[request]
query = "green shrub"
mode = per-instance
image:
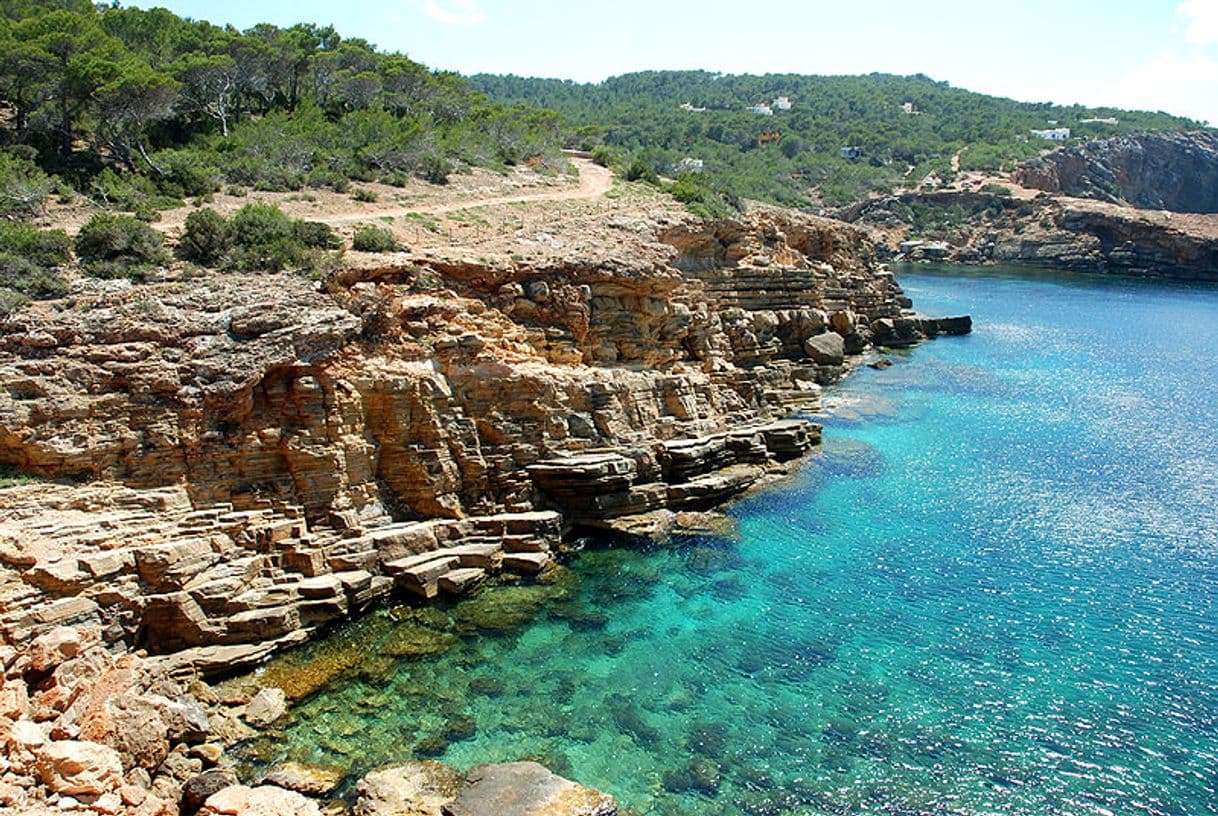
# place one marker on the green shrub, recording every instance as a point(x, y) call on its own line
point(365, 195)
point(641, 171)
point(42, 247)
point(604, 155)
point(29, 279)
point(996, 189)
point(186, 174)
point(11, 301)
point(28, 257)
point(316, 235)
point(23, 187)
point(131, 193)
point(205, 238)
point(340, 184)
point(261, 237)
point(435, 169)
point(118, 246)
point(371, 238)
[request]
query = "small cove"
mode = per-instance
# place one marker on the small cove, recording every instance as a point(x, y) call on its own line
point(994, 590)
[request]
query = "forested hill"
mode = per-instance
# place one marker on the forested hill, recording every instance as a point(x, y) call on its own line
point(893, 122)
point(138, 108)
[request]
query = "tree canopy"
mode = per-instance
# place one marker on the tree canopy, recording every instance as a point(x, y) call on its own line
point(901, 127)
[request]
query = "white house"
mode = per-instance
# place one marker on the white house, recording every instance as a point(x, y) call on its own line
point(909, 109)
point(1107, 120)
point(762, 109)
point(783, 103)
point(1053, 134)
point(688, 165)
point(688, 106)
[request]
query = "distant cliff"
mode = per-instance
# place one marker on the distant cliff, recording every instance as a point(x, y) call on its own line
point(1161, 171)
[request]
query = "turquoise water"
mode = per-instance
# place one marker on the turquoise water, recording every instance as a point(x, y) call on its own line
point(994, 591)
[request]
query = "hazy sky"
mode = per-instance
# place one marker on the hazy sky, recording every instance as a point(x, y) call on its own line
point(1150, 54)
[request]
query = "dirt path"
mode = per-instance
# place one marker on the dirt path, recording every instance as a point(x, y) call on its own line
point(594, 182)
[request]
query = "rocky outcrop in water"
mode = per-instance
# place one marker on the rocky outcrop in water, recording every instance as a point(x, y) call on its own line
point(1161, 171)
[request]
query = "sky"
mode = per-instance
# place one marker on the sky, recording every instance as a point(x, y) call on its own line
point(1142, 54)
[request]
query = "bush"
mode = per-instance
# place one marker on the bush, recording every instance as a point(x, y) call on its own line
point(118, 246)
point(204, 239)
point(641, 171)
point(316, 235)
point(435, 169)
point(996, 189)
point(11, 301)
point(371, 238)
point(27, 259)
point(604, 155)
point(261, 237)
point(131, 193)
point(365, 195)
point(186, 175)
point(23, 187)
point(29, 279)
point(42, 247)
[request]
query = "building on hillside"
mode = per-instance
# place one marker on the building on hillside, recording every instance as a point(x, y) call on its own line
point(909, 109)
point(1107, 120)
point(762, 109)
point(688, 165)
point(1053, 134)
point(688, 106)
point(782, 103)
point(851, 153)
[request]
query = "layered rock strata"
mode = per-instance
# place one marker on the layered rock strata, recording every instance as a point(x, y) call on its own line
point(236, 462)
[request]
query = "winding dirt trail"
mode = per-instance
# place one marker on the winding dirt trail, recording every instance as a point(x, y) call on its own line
point(594, 182)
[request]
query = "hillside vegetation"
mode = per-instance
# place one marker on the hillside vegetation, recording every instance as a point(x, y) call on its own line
point(139, 109)
point(640, 119)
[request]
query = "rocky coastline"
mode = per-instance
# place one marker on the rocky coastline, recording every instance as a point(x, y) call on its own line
point(210, 471)
point(1142, 206)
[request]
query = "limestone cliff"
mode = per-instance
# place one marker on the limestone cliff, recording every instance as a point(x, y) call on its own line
point(243, 459)
point(1162, 171)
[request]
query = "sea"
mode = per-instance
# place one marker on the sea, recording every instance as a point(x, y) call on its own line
point(993, 591)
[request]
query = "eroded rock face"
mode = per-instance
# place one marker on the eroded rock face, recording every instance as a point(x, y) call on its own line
point(1162, 171)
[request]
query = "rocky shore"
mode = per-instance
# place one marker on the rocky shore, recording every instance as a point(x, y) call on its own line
point(211, 470)
point(1143, 206)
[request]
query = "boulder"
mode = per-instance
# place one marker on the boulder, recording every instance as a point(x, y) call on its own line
point(896, 332)
point(826, 349)
point(199, 789)
point(80, 768)
point(240, 800)
point(414, 788)
point(267, 705)
point(312, 780)
point(58, 646)
point(526, 789)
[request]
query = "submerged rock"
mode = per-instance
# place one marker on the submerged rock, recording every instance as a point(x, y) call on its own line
point(701, 775)
point(409, 789)
point(526, 789)
point(313, 780)
point(268, 705)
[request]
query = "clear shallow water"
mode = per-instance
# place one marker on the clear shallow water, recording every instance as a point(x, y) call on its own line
point(995, 591)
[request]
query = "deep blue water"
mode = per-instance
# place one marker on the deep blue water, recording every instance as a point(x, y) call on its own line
point(994, 591)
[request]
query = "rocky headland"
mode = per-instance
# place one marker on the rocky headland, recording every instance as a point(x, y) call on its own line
point(1142, 206)
point(206, 470)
